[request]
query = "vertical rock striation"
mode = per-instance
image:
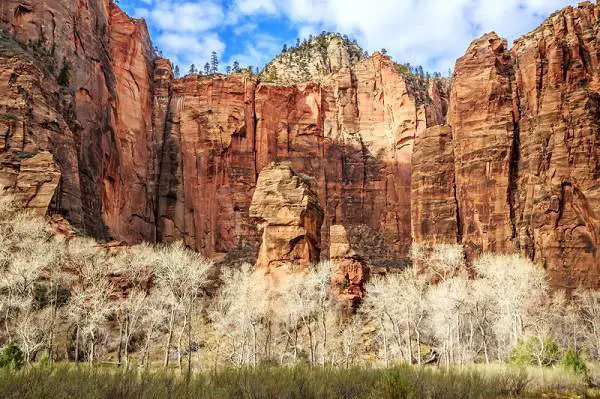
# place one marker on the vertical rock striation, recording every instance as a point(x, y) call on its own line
point(434, 211)
point(94, 126)
point(350, 272)
point(524, 126)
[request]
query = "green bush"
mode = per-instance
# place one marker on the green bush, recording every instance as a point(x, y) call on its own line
point(573, 361)
point(12, 357)
point(531, 352)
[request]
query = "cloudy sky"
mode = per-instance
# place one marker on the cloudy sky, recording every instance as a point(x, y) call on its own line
point(432, 33)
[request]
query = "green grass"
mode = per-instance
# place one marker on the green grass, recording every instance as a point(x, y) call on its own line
point(69, 381)
point(481, 381)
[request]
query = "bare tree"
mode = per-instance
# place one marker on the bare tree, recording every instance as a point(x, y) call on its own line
point(240, 313)
point(589, 308)
point(90, 302)
point(182, 275)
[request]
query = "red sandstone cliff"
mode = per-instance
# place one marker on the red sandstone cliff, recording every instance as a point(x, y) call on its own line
point(524, 125)
point(98, 127)
point(125, 151)
point(351, 134)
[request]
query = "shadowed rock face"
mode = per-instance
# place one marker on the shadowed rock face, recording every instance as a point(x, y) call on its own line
point(98, 128)
point(126, 152)
point(289, 216)
point(351, 135)
point(433, 207)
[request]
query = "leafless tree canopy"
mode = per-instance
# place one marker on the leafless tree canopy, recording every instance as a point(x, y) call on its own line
point(80, 301)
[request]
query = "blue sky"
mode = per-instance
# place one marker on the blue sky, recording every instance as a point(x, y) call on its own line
point(432, 33)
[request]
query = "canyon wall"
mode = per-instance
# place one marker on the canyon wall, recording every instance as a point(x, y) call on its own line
point(95, 118)
point(525, 126)
point(350, 136)
point(94, 126)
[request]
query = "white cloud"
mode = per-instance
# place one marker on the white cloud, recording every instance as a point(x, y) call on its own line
point(186, 16)
point(428, 32)
point(432, 33)
point(257, 52)
point(185, 50)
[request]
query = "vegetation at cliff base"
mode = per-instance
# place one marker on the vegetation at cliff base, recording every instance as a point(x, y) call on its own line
point(78, 316)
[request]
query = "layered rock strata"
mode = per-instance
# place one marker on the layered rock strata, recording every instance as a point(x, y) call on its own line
point(524, 124)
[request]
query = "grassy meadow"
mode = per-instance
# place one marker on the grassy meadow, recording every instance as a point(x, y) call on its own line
point(492, 381)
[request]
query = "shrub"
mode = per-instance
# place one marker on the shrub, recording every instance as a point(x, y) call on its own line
point(573, 361)
point(12, 357)
point(531, 352)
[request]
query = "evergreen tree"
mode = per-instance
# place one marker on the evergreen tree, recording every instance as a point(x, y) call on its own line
point(207, 68)
point(214, 62)
point(236, 67)
point(193, 68)
point(285, 48)
point(297, 42)
point(177, 73)
point(228, 69)
point(383, 51)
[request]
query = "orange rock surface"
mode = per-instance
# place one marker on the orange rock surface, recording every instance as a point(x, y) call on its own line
point(289, 216)
point(350, 271)
point(124, 151)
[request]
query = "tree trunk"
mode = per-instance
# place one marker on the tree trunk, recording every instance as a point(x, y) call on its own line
point(127, 336)
point(120, 348)
point(254, 350)
point(418, 334)
point(324, 322)
point(179, 339)
point(77, 344)
point(189, 344)
point(169, 338)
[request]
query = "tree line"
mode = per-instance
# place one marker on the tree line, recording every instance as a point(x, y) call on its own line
point(165, 305)
point(212, 67)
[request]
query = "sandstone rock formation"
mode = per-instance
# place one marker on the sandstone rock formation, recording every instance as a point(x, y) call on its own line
point(94, 127)
point(481, 116)
point(97, 126)
point(350, 273)
point(352, 134)
point(288, 213)
point(433, 207)
point(313, 60)
point(524, 128)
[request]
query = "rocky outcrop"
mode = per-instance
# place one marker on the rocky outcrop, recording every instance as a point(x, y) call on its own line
point(77, 76)
point(289, 216)
point(351, 135)
point(208, 169)
point(350, 272)
point(313, 60)
point(95, 128)
point(481, 116)
point(556, 186)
